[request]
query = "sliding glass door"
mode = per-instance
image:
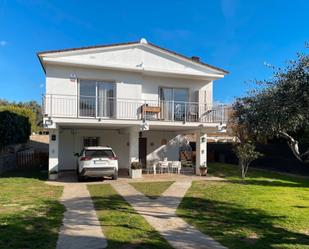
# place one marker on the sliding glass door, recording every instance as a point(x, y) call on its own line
point(173, 103)
point(87, 98)
point(166, 97)
point(96, 98)
point(105, 99)
point(180, 99)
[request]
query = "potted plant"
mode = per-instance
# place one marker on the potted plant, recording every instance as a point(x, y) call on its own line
point(136, 170)
point(203, 169)
point(53, 175)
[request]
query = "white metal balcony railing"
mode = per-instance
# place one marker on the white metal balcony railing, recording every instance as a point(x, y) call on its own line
point(56, 105)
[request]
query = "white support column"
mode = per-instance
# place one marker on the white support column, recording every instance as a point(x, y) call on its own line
point(53, 150)
point(201, 150)
point(133, 144)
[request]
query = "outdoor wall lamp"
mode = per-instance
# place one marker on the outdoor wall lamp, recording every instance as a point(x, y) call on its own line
point(48, 122)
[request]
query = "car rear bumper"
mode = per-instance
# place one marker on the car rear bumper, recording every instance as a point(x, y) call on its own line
point(99, 171)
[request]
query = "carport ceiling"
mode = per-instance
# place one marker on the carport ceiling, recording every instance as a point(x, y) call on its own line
point(152, 128)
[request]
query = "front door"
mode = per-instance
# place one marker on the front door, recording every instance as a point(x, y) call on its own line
point(142, 150)
point(67, 160)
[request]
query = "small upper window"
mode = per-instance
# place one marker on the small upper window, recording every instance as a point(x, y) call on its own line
point(91, 141)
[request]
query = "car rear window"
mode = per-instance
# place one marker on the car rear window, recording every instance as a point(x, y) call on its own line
point(99, 153)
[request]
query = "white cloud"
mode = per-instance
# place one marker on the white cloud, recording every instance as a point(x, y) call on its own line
point(3, 43)
point(267, 64)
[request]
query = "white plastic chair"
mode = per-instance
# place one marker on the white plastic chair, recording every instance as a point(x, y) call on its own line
point(151, 167)
point(164, 166)
point(176, 166)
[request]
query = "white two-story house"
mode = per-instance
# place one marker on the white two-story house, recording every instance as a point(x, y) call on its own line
point(137, 97)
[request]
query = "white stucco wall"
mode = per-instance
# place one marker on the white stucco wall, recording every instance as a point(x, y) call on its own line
point(128, 85)
point(151, 85)
point(134, 57)
point(62, 92)
point(157, 151)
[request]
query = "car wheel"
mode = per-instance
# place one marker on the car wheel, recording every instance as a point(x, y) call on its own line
point(115, 177)
point(79, 177)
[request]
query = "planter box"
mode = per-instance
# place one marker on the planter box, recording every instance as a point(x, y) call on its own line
point(53, 177)
point(203, 171)
point(135, 173)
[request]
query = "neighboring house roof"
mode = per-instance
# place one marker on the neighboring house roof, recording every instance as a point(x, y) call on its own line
point(142, 41)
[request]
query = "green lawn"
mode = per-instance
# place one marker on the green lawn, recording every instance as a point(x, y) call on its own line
point(122, 226)
point(152, 190)
point(30, 213)
point(267, 210)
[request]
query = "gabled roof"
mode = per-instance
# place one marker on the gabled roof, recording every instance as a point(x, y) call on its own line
point(142, 41)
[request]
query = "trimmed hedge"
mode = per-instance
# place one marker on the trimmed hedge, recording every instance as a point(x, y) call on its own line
point(23, 111)
point(14, 128)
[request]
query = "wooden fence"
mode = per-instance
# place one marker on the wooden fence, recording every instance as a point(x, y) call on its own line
point(31, 159)
point(7, 162)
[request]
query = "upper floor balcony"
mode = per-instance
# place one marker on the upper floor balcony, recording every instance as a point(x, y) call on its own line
point(80, 106)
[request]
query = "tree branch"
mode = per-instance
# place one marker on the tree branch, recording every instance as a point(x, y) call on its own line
point(293, 144)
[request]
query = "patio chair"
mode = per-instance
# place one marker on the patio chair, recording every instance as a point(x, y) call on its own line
point(151, 166)
point(192, 114)
point(176, 167)
point(164, 166)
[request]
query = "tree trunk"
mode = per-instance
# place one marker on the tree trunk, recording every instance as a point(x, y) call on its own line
point(293, 144)
point(242, 168)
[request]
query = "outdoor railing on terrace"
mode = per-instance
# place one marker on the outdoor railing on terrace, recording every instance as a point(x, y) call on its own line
point(72, 106)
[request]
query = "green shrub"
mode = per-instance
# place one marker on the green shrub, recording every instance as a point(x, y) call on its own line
point(136, 165)
point(23, 111)
point(14, 128)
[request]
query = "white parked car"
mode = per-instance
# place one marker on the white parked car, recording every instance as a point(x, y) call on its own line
point(97, 161)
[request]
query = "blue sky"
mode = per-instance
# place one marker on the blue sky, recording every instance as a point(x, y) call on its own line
point(239, 36)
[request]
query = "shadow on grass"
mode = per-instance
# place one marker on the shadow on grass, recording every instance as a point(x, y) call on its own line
point(236, 227)
point(35, 227)
point(38, 174)
point(271, 183)
point(256, 176)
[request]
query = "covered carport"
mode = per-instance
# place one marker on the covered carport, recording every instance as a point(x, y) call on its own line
point(73, 139)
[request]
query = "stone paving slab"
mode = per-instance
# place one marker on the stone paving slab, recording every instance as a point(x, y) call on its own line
point(161, 215)
point(81, 227)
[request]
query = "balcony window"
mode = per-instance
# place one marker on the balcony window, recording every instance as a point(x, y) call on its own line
point(173, 103)
point(96, 98)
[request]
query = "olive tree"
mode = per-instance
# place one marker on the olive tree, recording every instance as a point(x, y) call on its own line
point(239, 127)
point(279, 107)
